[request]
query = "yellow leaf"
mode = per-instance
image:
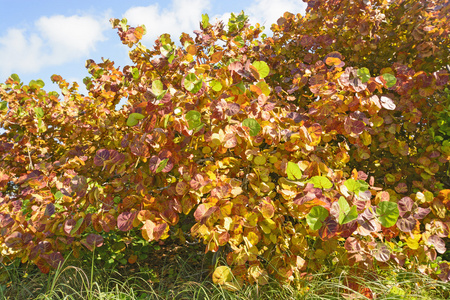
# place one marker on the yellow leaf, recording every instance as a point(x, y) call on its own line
point(222, 275)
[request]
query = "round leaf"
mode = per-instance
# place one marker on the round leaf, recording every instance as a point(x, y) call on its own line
point(364, 74)
point(157, 87)
point(321, 182)
point(387, 213)
point(134, 118)
point(253, 125)
point(222, 275)
point(293, 171)
point(390, 79)
point(194, 119)
point(262, 67)
point(316, 216)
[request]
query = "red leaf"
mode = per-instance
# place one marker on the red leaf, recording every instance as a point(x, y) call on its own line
point(125, 220)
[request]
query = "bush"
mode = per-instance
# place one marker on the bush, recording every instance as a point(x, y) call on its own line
point(315, 146)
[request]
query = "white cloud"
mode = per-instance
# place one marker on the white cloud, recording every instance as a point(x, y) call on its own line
point(180, 16)
point(267, 12)
point(54, 41)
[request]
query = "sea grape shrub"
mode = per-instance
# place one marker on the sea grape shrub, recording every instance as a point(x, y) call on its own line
point(311, 147)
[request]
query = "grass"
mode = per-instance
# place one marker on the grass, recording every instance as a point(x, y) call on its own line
point(186, 275)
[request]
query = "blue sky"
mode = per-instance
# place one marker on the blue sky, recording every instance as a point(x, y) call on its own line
point(42, 38)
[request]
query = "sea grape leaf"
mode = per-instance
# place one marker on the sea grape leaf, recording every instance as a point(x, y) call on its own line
point(381, 252)
point(49, 209)
point(321, 182)
point(153, 231)
point(53, 259)
point(262, 68)
point(134, 118)
point(438, 243)
point(157, 87)
point(254, 126)
point(356, 186)
point(293, 171)
point(162, 165)
point(346, 214)
point(194, 119)
point(387, 103)
point(387, 213)
point(205, 20)
point(329, 228)
point(77, 225)
point(390, 79)
point(215, 85)
point(3, 105)
point(15, 77)
point(333, 61)
point(39, 112)
point(222, 275)
point(316, 216)
point(125, 220)
point(364, 74)
point(135, 73)
point(100, 157)
point(192, 84)
point(406, 224)
point(265, 89)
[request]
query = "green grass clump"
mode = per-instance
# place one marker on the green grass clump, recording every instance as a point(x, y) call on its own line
point(188, 276)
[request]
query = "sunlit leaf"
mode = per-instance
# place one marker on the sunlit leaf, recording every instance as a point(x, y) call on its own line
point(293, 171)
point(316, 216)
point(364, 74)
point(254, 126)
point(346, 214)
point(387, 213)
point(390, 79)
point(134, 118)
point(262, 68)
point(157, 87)
point(194, 119)
point(321, 182)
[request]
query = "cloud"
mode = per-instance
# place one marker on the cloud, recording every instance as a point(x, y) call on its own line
point(53, 41)
point(267, 12)
point(179, 16)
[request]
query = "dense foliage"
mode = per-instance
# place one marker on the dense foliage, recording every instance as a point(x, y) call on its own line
point(326, 143)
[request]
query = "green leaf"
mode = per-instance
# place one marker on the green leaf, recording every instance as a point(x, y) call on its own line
point(387, 213)
point(293, 171)
point(316, 216)
point(58, 195)
point(166, 50)
point(321, 182)
point(135, 73)
point(390, 79)
point(40, 83)
point(205, 20)
point(356, 186)
point(194, 119)
point(39, 112)
point(346, 214)
point(3, 105)
point(157, 87)
point(134, 118)
point(77, 226)
point(15, 77)
point(262, 67)
point(364, 74)
point(215, 85)
point(162, 165)
point(253, 125)
point(192, 84)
